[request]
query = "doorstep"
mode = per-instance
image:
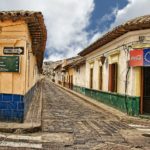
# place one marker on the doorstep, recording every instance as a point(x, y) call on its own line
point(145, 116)
point(19, 127)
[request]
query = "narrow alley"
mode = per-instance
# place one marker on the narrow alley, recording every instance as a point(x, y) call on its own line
point(87, 126)
point(75, 75)
point(69, 123)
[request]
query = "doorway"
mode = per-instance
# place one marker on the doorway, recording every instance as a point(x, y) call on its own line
point(146, 89)
point(100, 77)
point(91, 78)
point(113, 75)
point(71, 83)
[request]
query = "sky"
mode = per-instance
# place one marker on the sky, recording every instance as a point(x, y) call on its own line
point(72, 25)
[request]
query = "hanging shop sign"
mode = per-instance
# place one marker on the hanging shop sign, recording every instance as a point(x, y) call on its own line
point(140, 57)
point(136, 58)
point(9, 63)
point(13, 50)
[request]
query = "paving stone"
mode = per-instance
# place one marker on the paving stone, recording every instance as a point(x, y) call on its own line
point(73, 124)
point(64, 112)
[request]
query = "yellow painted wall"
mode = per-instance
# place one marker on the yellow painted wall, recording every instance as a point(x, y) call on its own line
point(137, 83)
point(71, 71)
point(16, 34)
point(79, 76)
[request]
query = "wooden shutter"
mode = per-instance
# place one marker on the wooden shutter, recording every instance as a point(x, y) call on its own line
point(100, 77)
point(91, 78)
point(113, 75)
point(110, 78)
point(71, 81)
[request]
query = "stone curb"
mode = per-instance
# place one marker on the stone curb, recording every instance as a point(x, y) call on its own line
point(120, 115)
point(19, 128)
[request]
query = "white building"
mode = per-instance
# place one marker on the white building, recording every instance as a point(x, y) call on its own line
point(117, 67)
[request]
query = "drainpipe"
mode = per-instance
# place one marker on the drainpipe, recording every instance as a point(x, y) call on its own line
point(126, 87)
point(126, 50)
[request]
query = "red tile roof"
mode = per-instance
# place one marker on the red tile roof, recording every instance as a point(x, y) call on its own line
point(139, 23)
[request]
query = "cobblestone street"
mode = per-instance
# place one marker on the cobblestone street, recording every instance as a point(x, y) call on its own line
point(75, 75)
point(87, 126)
point(69, 123)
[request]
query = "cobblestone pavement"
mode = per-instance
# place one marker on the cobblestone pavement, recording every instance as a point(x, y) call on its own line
point(68, 123)
point(88, 126)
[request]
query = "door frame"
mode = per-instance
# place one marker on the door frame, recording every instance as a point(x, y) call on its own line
point(142, 92)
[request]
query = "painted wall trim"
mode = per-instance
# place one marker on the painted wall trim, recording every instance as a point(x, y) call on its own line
point(124, 103)
point(11, 107)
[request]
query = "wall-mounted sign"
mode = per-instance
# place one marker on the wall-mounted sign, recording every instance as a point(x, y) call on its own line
point(9, 63)
point(136, 58)
point(147, 57)
point(13, 50)
point(140, 57)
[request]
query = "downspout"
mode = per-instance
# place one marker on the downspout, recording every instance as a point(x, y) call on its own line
point(126, 87)
point(126, 50)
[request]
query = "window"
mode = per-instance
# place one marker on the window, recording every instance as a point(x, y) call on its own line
point(113, 71)
point(100, 77)
point(91, 78)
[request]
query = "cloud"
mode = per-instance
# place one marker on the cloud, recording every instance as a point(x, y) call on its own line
point(133, 9)
point(101, 27)
point(66, 21)
point(108, 17)
point(82, 39)
point(67, 27)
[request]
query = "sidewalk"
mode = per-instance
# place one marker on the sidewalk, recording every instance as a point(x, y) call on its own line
point(32, 122)
point(120, 115)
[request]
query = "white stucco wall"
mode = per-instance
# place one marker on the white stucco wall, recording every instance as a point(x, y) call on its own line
point(116, 46)
point(79, 76)
point(58, 75)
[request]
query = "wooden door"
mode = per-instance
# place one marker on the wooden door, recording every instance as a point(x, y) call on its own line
point(113, 71)
point(146, 89)
point(71, 81)
point(91, 78)
point(100, 77)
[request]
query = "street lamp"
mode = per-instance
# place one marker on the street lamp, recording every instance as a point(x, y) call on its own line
point(102, 59)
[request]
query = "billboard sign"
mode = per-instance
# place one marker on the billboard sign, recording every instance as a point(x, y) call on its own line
point(136, 58)
point(140, 57)
point(146, 57)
